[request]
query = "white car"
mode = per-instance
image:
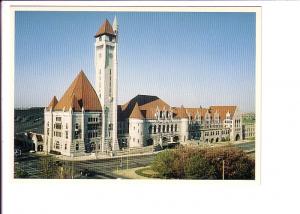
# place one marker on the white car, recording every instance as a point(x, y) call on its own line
point(32, 151)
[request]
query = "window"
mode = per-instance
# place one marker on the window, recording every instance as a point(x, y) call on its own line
point(150, 129)
point(160, 114)
point(47, 131)
point(175, 127)
point(168, 127)
point(58, 118)
point(154, 129)
point(159, 127)
point(48, 124)
point(77, 146)
point(65, 146)
point(66, 134)
point(76, 134)
point(171, 128)
point(164, 128)
point(57, 145)
point(76, 126)
point(57, 126)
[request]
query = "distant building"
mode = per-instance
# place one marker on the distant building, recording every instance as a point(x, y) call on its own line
point(249, 131)
point(30, 141)
point(85, 120)
point(248, 125)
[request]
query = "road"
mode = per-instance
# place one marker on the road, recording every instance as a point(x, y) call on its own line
point(103, 168)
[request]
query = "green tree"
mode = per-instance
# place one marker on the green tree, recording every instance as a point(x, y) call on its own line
point(197, 163)
point(197, 167)
point(163, 162)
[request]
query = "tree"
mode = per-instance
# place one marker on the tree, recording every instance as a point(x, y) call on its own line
point(197, 163)
point(162, 164)
point(197, 167)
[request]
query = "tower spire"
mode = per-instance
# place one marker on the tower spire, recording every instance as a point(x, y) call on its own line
point(115, 25)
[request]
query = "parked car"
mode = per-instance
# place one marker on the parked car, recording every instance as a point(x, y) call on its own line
point(32, 151)
point(87, 173)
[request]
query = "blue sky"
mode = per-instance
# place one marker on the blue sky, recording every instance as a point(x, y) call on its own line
point(184, 58)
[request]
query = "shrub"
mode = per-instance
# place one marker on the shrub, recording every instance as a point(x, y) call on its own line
point(237, 165)
point(163, 162)
point(196, 163)
point(21, 174)
point(197, 167)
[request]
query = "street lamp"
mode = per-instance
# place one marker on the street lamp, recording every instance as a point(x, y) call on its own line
point(223, 167)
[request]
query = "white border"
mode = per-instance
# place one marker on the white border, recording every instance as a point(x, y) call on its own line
point(279, 161)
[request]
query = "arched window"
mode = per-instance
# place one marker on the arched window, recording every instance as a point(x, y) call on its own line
point(172, 128)
point(154, 129)
point(150, 129)
point(164, 128)
point(168, 128)
point(159, 127)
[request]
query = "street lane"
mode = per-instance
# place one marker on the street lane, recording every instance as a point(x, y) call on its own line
point(103, 168)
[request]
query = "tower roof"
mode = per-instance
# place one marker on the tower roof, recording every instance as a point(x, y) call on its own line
point(53, 103)
point(105, 29)
point(80, 94)
point(136, 113)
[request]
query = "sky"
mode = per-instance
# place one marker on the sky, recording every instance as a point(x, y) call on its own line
point(191, 59)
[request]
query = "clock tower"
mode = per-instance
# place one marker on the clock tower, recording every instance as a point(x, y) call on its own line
point(106, 82)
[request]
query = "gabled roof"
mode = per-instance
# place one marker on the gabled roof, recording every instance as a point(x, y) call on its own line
point(53, 103)
point(222, 110)
point(136, 113)
point(105, 29)
point(147, 105)
point(180, 112)
point(80, 94)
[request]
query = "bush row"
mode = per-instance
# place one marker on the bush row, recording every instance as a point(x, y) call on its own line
point(197, 163)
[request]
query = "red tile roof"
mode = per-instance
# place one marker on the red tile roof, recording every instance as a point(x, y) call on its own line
point(222, 110)
point(144, 106)
point(80, 94)
point(105, 29)
point(136, 113)
point(180, 112)
point(147, 105)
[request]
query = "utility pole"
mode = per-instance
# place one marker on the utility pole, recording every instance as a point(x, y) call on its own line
point(223, 163)
point(128, 156)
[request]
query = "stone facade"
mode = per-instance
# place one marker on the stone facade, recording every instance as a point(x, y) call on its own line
point(85, 120)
